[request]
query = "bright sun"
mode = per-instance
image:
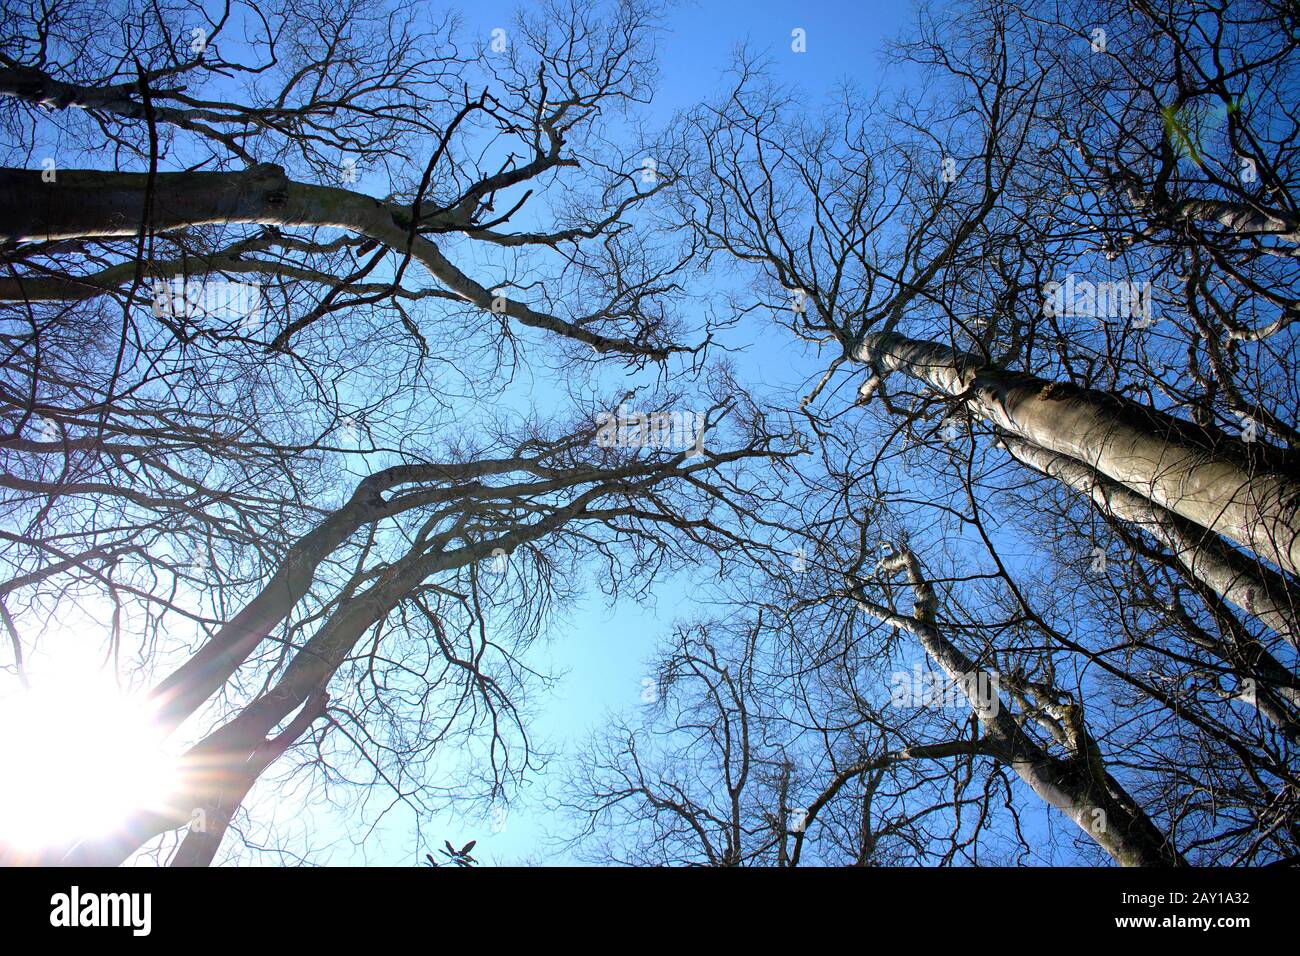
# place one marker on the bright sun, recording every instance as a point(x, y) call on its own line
point(76, 757)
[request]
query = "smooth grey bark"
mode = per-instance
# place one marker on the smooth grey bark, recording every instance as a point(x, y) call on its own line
point(1250, 586)
point(1245, 220)
point(1080, 786)
point(90, 204)
point(1260, 512)
point(1224, 570)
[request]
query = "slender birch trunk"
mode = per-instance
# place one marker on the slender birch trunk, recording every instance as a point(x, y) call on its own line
point(1154, 458)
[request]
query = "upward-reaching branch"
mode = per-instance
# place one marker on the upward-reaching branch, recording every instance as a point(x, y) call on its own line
point(1079, 785)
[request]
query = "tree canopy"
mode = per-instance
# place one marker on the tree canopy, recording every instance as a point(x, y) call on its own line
point(345, 351)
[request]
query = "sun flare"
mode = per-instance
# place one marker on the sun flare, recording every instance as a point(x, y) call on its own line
point(76, 757)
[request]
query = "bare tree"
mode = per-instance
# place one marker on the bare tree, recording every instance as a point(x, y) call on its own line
point(1051, 259)
point(740, 761)
point(277, 277)
point(251, 369)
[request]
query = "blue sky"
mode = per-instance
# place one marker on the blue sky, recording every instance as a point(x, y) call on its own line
point(604, 651)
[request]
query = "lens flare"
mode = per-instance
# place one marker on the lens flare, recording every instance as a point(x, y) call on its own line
point(77, 756)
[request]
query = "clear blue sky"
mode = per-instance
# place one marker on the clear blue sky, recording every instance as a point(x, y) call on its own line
point(604, 651)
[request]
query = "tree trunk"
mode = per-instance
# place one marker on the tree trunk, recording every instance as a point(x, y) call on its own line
point(88, 204)
point(1249, 585)
point(1154, 457)
point(201, 843)
point(1206, 558)
point(1080, 787)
